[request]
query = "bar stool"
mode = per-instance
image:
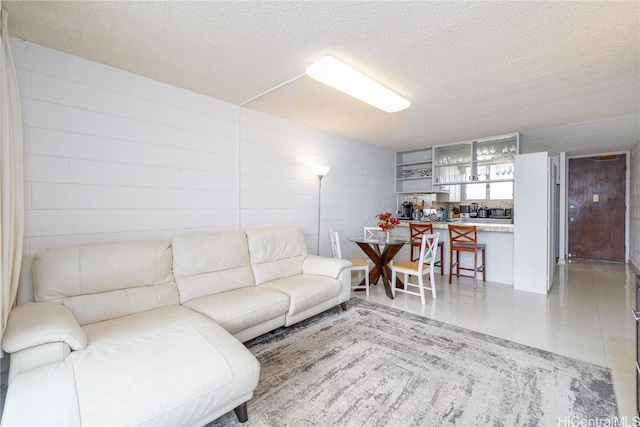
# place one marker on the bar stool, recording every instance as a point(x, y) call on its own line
point(464, 238)
point(416, 232)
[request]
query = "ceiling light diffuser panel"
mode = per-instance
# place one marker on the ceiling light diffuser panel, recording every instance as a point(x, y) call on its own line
point(342, 77)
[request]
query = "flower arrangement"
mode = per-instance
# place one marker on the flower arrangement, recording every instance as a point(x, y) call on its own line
point(386, 221)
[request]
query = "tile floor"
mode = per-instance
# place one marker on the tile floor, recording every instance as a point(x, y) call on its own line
point(586, 315)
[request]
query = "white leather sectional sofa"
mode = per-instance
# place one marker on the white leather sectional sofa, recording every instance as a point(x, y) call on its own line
point(150, 333)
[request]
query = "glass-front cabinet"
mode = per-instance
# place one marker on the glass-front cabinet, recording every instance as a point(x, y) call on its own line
point(481, 160)
point(453, 164)
point(494, 169)
point(483, 168)
point(494, 159)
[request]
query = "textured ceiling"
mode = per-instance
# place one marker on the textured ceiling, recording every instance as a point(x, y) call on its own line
point(562, 71)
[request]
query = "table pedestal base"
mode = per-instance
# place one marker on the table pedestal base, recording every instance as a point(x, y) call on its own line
point(381, 254)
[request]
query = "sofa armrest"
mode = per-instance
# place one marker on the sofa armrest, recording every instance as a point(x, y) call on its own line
point(34, 324)
point(324, 266)
point(34, 357)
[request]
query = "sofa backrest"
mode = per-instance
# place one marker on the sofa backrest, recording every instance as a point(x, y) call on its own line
point(276, 252)
point(103, 281)
point(208, 263)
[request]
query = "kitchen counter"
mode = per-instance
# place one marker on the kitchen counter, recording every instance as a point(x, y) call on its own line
point(497, 237)
point(481, 226)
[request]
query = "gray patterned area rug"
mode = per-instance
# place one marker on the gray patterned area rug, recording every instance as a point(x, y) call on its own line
point(378, 366)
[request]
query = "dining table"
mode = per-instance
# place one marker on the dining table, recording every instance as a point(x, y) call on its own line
point(381, 251)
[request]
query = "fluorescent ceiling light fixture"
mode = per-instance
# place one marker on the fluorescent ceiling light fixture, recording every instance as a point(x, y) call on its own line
point(339, 75)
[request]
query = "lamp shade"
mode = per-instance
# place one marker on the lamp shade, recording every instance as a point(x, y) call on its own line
point(320, 171)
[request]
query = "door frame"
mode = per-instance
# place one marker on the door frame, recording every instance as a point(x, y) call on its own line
point(564, 200)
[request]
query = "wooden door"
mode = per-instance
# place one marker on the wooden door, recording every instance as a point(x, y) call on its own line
point(597, 208)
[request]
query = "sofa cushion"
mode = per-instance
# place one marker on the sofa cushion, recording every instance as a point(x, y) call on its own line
point(276, 252)
point(104, 281)
point(305, 290)
point(169, 366)
point(242, 309)
point(208, 263)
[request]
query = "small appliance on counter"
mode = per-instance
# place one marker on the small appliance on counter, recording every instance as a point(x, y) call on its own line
point(483, 212)
point(406, 210)
point(465, 211)
point(473, 213)
point(500, 213)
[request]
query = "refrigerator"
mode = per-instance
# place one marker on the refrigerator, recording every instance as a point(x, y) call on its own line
point(534, 225)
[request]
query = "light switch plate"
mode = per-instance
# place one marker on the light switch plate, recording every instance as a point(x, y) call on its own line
point(596, 198)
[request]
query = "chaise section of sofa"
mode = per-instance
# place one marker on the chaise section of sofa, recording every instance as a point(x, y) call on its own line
point(107, 343)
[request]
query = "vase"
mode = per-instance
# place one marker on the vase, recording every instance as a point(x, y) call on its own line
point(384, 236)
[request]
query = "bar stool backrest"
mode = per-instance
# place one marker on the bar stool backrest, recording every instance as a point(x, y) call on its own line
point(464, 237)
point(417, 230)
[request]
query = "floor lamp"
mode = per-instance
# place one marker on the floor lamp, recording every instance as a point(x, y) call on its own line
point(320, 172)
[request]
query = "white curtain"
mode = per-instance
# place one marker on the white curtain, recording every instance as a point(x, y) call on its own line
point(11, 174)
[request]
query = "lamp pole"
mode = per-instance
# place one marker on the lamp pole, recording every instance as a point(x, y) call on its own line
point(319, 201)
point(320, 172)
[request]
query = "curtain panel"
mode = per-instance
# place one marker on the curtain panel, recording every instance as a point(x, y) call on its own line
point(12, 178)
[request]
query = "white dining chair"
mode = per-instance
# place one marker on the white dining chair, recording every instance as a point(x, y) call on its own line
point(418, 268)
point(358, 265)
point(371, 233)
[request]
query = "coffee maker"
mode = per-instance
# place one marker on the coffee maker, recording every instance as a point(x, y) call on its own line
point(406, 210)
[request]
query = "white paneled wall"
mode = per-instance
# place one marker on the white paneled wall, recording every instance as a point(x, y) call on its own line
point(111, 156)
point(634, 207)
point(277, 185)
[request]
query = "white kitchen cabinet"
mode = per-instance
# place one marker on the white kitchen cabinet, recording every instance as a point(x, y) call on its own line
point(448, 193)
point(414, 171)
point(447, 168)
point(452, 163)
point(483, 160)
